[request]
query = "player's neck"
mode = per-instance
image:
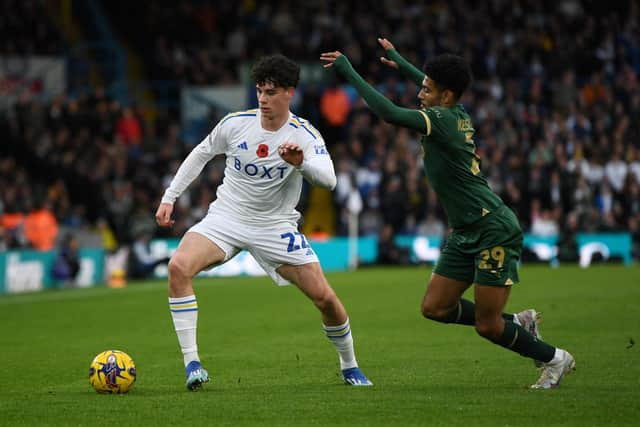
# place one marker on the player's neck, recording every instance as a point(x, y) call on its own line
point(272, 124)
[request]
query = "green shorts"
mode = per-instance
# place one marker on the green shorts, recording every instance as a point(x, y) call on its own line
point(486, 252)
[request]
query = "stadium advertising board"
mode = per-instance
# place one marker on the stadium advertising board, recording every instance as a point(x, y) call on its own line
point(23, 271)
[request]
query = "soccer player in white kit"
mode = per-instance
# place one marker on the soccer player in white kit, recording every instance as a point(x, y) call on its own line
point(268, 152)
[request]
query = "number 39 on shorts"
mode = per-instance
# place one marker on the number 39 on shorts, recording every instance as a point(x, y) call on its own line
point(491, 258)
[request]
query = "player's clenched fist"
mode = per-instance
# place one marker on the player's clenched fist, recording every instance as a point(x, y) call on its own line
point(163, 215)
point(291, 153)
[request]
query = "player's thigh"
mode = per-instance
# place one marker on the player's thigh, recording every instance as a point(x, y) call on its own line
point(208, 243)
point(442, 294)
point(455, 261)
point(280, 245)
point(195, 253)
point(452, 275)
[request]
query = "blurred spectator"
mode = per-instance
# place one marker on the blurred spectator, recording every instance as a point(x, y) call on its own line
point(67, 263)
point(616, 171)
point(142, 261)
point(432, 226)
point(394, 204)
point(4, 243)
point(543, 221)
point(26, 29)
point(109, 242)
point(388, 252)
point(335, 107)
point(41, 228)
point(567, 243)
point(129, 130)
point(12, 227)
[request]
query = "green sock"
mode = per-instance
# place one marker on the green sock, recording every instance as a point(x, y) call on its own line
point(464, 314)
point(516, 338)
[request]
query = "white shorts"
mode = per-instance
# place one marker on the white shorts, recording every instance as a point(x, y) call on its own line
point(272, 245)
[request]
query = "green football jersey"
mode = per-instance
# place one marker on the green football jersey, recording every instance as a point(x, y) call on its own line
point(453, 167)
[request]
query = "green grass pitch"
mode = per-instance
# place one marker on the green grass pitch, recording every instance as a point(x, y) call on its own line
point(271, 364)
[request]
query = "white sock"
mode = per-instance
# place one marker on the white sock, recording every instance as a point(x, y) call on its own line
point(342, 340)
point(184, 312)
point(557, 356)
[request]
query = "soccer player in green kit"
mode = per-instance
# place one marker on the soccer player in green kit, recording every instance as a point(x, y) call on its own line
point(486, 240)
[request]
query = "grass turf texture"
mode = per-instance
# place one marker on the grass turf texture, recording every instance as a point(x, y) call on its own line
point(271, 364)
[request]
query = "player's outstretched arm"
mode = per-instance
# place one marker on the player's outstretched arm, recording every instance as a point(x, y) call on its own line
point(396, 60)
point(381, 106)
point(188, 171)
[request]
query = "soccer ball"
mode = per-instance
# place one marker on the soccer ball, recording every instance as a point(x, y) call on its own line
point(112, 371)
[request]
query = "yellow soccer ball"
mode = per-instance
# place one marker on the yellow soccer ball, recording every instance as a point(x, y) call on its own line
point(112, 371)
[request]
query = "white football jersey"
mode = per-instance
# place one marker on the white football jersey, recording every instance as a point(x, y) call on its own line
point(258, 185)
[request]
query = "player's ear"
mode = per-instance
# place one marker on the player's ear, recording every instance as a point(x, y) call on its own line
point(448, 97)
point(291, 91)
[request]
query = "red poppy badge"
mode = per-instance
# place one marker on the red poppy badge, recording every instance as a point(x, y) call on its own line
point(263, 150)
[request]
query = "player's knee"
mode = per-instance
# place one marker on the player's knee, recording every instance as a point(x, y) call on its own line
point(178, 268)
point(433, 312)
point(488, 329)
point(325, 301)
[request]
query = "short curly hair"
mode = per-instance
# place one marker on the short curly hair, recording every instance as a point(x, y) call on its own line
point(449, 72)
point(276, 69)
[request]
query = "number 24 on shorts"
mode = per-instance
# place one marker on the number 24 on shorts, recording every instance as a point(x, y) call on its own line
point(293, 246)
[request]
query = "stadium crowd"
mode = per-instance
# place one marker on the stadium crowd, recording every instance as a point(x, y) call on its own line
point(556, 107)
point(23, 31)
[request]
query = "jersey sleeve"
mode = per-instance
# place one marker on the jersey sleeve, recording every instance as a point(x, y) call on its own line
point(406, 67)
point(213, 144)
point(435, 120)
point(381, 106)
point(317, 166)
point(216, 142)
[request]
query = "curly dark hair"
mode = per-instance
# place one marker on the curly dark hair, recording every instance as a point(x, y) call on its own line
point(449, 72)
point(276, 69)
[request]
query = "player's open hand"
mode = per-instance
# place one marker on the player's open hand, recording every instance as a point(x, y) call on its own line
point(163, 215)
point(387, 45)
point(330, 58)
point(291, 153)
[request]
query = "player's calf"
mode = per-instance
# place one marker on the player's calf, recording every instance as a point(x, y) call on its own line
point(490, 329)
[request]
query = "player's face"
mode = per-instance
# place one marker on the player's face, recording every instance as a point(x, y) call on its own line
point(429, 95)
point(273, 101)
